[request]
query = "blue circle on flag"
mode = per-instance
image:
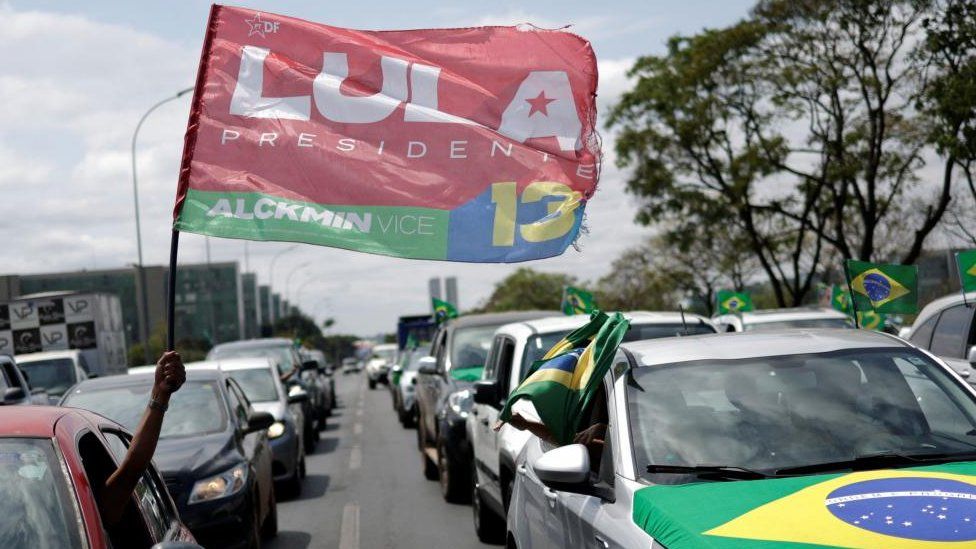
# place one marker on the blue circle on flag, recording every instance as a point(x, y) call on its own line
point(916, 508)
point(877, 286)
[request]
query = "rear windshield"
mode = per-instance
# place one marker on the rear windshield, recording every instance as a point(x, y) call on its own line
point(193, 410)
point(469, 346)
point(54, 375)
point(257, 383)
point(282, 355)
point(798, 323)
point(36, 505)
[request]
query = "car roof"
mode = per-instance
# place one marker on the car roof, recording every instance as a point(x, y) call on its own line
point(562, 323)
point(779, 315)
point(139, 378)
point(39, 421)
point(47, 355)
point(730, 346)
point(258, 343)
point(937, 305)
point(488, 319)
point(238, 363)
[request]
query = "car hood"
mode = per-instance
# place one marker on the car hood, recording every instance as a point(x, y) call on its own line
point(884, 508)
point(196, 456)
point(277, 409)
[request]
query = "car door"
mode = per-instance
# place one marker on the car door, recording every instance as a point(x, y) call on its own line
point(430, 385)
point(536, 502)
point(479, 435)
point(486, 422)
point(952, 335)
point(254, 445)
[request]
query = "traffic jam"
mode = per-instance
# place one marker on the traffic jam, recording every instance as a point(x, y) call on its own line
point(782, 358)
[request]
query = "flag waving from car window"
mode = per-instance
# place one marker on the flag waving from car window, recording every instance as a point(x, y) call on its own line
point(564, 381)
point(577, 301)
point(733, 302)
point(884, 288)
point(472, 144)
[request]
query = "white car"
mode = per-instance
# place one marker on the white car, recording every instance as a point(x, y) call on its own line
point(54, 371)
point(945, 327)
point(781, 319)
point(847, 438)
point(383, 358)
point(514, 349)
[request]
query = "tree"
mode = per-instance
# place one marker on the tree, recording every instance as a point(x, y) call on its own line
point(190, 349)
point(297, 326)
point(806, 127)
point(526, 289)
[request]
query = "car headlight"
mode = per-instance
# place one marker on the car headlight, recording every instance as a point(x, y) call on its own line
point(276, 430)
point(460, 402)
point(219, 486)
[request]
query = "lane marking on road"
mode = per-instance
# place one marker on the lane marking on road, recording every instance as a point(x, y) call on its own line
point(355, 458)
point(349, 531)
point(357, 429)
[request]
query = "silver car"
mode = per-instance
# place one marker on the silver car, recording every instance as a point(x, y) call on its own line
point(844, 438)
point(782, 319)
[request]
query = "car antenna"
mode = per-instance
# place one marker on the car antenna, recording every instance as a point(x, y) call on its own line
point(684, 325)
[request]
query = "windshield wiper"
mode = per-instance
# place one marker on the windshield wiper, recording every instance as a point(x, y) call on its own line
point(876, 461)
point(709, 471)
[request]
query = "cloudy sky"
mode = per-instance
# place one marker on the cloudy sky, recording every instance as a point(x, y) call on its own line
point(76, 77)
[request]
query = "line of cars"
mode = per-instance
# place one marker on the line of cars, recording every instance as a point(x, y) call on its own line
point(772, 396)
point(234, 439)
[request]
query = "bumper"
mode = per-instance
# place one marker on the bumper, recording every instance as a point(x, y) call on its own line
point(284, 455)
point(224, 522)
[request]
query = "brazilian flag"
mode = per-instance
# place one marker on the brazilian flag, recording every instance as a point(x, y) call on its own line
point(883, 287)
point(966, 261)
point(871, 320)
point(931, 507)
point(562, 383)
point(443, 310)
point(840, 299)
point(577, 302)
point(733, 302)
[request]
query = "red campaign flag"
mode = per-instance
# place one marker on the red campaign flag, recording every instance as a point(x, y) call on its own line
point(473, 144)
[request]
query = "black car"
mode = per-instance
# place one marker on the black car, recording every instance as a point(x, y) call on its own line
point(213, 451)
point(444, 396)
point(290, 365)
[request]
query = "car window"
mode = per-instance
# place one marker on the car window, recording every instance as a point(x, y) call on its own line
point(922, 336)
point(36, 503)
point(149, 491)
point(284, 356)
point(258, 384)
point(441, 349)
point(491, 362)
point(469, 346)
point(952, 332)
point(237, 403)
point(506, 354)
point(55, 375)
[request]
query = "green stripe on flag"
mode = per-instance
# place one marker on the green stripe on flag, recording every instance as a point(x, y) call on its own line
point(391, 230)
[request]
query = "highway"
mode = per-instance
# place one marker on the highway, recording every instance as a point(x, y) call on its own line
point(365, 488)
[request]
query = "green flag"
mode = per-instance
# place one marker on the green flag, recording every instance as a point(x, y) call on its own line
point(883, 287)
point(733, 302)
point(840, 299)
point(577, 302)
point(871, 320)
point(966, 261)
point(564, 381)
point(443, 310)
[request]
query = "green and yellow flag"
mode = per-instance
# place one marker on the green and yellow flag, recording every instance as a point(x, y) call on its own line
point(840, 299)
point(733, 302)
point(871, 320)
point(883, 287)
point(564, 381)
point(443, 310)
point(577, 302)
point(966, 261)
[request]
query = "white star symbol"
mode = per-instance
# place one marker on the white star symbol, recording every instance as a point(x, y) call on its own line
point(889, 522)
point(966, 519)
point(942, 517)
point(887, 518)
point(906, 523)
point(889, 506)
point(840, 505)
point(257, 26)
point(864, 517)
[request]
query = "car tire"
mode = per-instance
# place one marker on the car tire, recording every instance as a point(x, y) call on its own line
point(254, 538)
point(454, 480)
point(489, 527)
point(372, 383)
point(269, 528)
point(406, 418)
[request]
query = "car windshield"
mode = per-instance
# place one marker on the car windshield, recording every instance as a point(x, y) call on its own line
point(282, 355)
point(257, 383)
point(538, 345)
point(769, 413)
point(797, 323)
point(386, 354)
point(469, 346)
point(35, 502)
point(54, 375)
point(193, 410)
point(413, 363)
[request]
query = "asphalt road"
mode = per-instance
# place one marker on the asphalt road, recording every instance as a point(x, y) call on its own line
point(364, 487)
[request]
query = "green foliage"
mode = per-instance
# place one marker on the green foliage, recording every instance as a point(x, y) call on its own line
point(526, 289)
point(190, 349)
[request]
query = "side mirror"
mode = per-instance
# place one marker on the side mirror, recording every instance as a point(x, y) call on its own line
point(259, 421)
point(486, 392)
point(564, 468)
point(296, 394)
point(428, 366)
point(971, 357)
point(13, 393)
point(310, 365)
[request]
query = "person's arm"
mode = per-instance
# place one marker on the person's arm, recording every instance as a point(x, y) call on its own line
point(522, 424)
point(170, 375)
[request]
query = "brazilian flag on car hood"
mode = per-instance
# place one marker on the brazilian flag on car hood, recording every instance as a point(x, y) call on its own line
point(918, 508)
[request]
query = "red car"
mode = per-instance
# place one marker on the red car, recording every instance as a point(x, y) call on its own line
point(50, 458)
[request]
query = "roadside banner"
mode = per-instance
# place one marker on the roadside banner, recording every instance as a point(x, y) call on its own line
point(883, 287)
point(733, 302)
point(471, 144)
point(577, 301)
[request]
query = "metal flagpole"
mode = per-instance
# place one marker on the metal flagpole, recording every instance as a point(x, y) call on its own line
point(174, 245)
point(962, 283)
point(850, 289)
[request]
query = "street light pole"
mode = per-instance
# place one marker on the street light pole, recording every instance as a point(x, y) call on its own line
point(288, 280)
point(143, 301)
point(271, 311)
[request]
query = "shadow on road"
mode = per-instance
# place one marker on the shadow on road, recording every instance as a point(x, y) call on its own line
point(326, 445)
point(314, 486)
point(292, 540)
